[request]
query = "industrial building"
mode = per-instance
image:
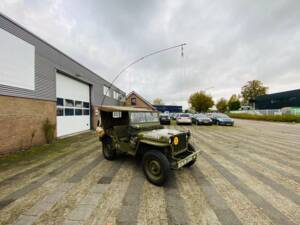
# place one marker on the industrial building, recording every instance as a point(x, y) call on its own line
point(169, 108)
point(39, 82)
point(278, 100)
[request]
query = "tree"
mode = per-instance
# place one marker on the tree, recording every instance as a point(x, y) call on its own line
point(200, 101)
point(222, 105)
point(234, 102)
point(158, 101)
point(253, 89)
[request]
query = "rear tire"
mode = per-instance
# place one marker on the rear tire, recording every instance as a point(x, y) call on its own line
point(192, 149)
point(156, 167)
point(108, 150)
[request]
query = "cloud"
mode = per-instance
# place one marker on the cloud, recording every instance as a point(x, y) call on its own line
point(229, 42)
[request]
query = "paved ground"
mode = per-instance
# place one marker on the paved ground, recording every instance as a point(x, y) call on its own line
point(248, 174)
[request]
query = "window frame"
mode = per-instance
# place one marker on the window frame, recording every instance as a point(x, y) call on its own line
point(106, 91)
point(133, 102)
point(116, 95)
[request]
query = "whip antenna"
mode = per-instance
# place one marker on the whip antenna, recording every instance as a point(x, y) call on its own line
point(138, 60)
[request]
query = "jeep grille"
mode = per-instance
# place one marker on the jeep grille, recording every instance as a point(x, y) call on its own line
point(182, 142)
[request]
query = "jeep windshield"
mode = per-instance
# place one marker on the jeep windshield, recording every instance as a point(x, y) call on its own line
point(143, 117)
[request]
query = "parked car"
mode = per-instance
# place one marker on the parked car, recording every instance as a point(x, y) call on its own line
point(137, 132)
point(222, 119)
point(173, 116)
point(184, 118)
point(164, 119)
point(201, 119)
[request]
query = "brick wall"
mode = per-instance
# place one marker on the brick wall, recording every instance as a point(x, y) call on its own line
point(139, 102)
point(20, 118)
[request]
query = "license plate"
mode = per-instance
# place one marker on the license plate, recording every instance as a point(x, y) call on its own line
point(186, 160)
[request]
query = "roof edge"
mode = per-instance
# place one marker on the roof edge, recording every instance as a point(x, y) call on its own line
point(51, 46)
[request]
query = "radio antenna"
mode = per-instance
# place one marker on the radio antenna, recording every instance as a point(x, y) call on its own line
point(138, 60)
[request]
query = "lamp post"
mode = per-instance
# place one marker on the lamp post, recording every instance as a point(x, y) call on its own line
point(138, 60)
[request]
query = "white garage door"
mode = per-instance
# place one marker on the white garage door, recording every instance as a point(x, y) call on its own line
point(73, 106)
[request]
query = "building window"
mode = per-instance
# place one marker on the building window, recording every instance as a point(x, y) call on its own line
point(60, 102)
point(106, 90)
point(133, 101)
point(78, 112)
point(78, 104)
point(69, 103)
point(69, 112)
point(116, 95)
point(59, 111)
point(69, 107)
point(86, 105)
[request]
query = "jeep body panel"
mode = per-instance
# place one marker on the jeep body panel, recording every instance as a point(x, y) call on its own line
point(135, 131)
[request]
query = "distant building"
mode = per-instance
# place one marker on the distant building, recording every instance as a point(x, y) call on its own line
point(169, 108)
point(278, 100)
point(135, 100)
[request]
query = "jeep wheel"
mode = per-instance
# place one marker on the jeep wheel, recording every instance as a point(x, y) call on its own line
point(156, 167)
point(192, 149)
point(109, 152)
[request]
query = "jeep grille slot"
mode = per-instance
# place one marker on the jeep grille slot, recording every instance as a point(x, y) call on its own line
point(182, 144)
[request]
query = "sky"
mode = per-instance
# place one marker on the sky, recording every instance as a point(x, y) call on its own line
point(229, 42)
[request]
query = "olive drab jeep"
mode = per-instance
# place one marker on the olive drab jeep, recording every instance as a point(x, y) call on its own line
point(137, 132)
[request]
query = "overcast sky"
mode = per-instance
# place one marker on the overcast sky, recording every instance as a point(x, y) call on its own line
point(229, 42)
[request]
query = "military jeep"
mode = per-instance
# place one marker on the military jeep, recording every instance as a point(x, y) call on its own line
point(137, 132)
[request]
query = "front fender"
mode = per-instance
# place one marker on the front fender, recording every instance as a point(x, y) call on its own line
point(154, 143)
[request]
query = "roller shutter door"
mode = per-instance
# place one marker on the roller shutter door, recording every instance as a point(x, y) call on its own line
point(73, 105)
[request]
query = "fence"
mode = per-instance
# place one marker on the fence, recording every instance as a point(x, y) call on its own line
point(283, 111)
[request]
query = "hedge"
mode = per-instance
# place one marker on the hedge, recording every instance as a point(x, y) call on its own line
point(278, 118)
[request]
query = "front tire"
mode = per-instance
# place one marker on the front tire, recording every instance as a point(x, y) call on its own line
point(156, 167)
point(108, 150)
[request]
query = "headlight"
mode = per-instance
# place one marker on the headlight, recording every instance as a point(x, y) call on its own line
point(176, 141)
point(170, 140)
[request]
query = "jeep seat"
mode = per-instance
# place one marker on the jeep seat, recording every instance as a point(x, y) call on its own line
point(121, 132)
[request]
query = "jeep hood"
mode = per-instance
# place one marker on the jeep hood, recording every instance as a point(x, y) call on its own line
point(159, 134)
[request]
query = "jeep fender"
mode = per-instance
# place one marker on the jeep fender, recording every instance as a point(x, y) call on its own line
point(150, 144)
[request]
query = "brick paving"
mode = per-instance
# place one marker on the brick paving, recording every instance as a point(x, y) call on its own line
point(247, 174)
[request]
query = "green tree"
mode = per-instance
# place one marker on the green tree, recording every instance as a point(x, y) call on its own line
point(222, 105)
point(253, 89)
point(158, 101)
point(200, 101)
point(234, 102)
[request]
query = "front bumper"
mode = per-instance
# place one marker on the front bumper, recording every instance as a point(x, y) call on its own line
point(205, 122)
point(180, 163)
point(226, 123)
point(184, 122)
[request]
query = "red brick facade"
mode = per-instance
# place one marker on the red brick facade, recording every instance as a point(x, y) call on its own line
point(21, 122)
point(139, 101)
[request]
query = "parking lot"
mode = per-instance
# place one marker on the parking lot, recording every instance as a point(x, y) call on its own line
point(246, 174)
